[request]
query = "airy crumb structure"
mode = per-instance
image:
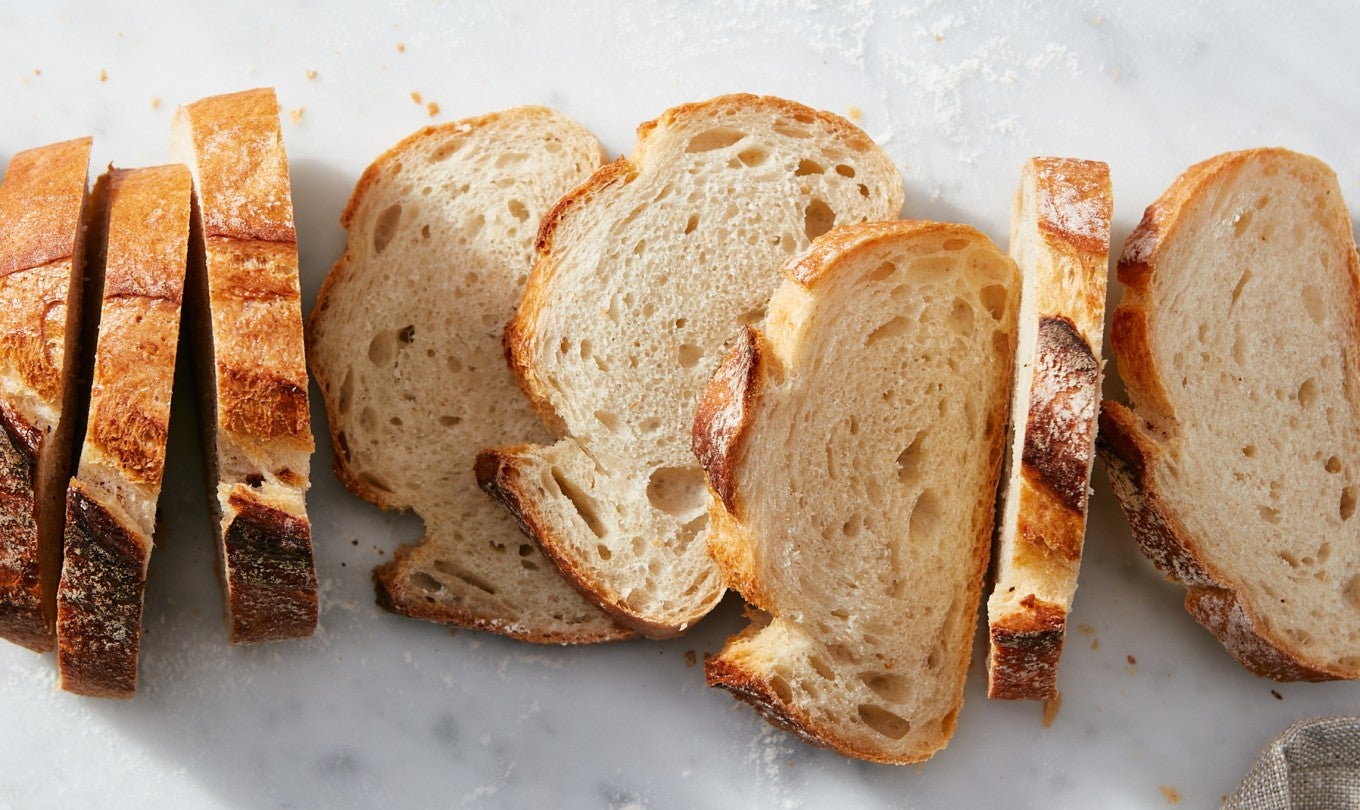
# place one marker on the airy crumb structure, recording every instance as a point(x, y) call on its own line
point(405, 345)
point(1060, 239)
point(643, 275)
point(853, 450)
point(1238, 462)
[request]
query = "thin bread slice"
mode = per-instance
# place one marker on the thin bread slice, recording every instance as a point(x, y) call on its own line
point(852, 452)
point(43, 211)
point(642, 274)
point(405, 345)
point(1238, 462)
point(246, 319)
point(1060, 239)
point(111, 501)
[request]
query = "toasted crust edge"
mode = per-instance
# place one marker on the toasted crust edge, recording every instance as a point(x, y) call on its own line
point(272, 585)
point(23, 617)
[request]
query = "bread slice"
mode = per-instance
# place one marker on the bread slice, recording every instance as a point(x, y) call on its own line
point(853, 451)
point(1060, 239)
point(1238, 463)
point(643, 273)
point(43, 213)
point(111, 501)
point(405, 345)
point(246, 316)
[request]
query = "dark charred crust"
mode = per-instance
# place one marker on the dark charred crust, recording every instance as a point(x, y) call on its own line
point(99, 602)
point(724, 413)
point(23, 618)
point(1062, 410)
point(1025, 650)
point(23, 436)
point(271, 578)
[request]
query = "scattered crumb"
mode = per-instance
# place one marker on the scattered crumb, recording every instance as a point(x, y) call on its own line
point(354, 542)
point(1133, 662)
point(311, 74)
point(939, 37)
point(1051, 707)
point(1117, 71)
point(103, 75)
point(37, 71)
point(401, 47)
point(1095, 643)
point(342, 565)
point(1172, 795)
point(415, 96)
point(1086, 629)
point(690, 658)
point(432, 108)
point(856, 113)
point(155, 102)
point(1277, 695)
point(1098, 21)
point(296, 114)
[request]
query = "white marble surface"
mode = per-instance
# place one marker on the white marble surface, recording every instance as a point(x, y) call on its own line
point(377, 710)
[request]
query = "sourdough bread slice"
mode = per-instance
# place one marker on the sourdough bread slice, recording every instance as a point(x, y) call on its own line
point(1238, 462)
point(643, 273)
point(405, 345)
point(246, 318)
point(852, 452)
point(1060, 239)
point(111, 501)
point(43, 211)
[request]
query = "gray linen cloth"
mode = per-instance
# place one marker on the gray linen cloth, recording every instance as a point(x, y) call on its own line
point(1313, 764)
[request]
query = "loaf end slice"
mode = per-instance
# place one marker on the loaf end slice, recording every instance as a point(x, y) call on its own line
point(43, 215)
point(244, 300)
point(405, 345)
point(852, 449)
point(643, 274)
point(1237, 460)
point(1060, 238)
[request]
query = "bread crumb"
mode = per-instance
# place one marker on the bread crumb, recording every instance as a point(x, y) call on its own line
point(1172, 795)
point(155, 102)
point(1117, 71)
point(1086, 629)
point(432, 108)
point(103, 75)
point(401, 47)
point(37, 71)
point(311, 74)
point(690, 658)
point(1095, 643)
point(1277, 695)
point(855, 113)
point(415, 96)
point(296, 114)
point(1051, 707)
point(1098, 21)
point(1133, 662)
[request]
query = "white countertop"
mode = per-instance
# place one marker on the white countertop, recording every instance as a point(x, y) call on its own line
point(381, 710)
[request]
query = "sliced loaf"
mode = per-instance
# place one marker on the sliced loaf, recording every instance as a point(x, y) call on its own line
point(111, 501)
point(852, 452)
point(405, 345)
point(1238, 461)
point(643, 273)
point(43, 212)
point(246, 318)
point(1060, 239)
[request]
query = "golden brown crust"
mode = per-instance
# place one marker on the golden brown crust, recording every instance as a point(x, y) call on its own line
point(812, 266)
point(1025, 649)
point(272, 583)
point(99, 604)
point(1075, 205)
point(723, 413)
point(40, 204)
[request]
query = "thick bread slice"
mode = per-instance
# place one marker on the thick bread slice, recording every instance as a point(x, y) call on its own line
point(43, 211)
point(1238, 464)
point(1060, 239)
point(643, 273)
point(405, 345)
point(246, 316)
point(852, 452)
point(111, 501)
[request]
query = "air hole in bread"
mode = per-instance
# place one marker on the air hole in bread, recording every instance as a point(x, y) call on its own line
point(851, 527)
point(1241, 222)
point(640, 247)
point(1269, 514)
point(841, 653)
point(883, 271)
point(961, 318)
point(677, 491)
point(386, 227)
point(845, 170)
point(1249, 451)
point(650, 425)
point(346, 395)
point(449, 569)
point(892, 328)
point(955, 244)
point(368, 419)
point(517, 210)
point(424, 582)
point(374, 482)
point(1351, 592)
point(925, 518)
point(993, 298)
point(818, 218)
point(717, 138)
point(863, 191)
point(450, 421)
point(691, 529)
point(909, 460)
point(753, 156)
point(688, 355)
point(1239, 350)
point(691, 224)
point(442, 152)
point(1289, 559)
point(585, 505)
point(1307, 394)
point(1313, 302)
point(454, 364)
point(602, 551)
point(890, 687)
point(407, 334)
point(789, 131)
point(343, 441)
point(781, 688)
point(529, 565)
point(751, 317)
point(883, 721)
point(1347, 502)
point(382, 349)
point(1324, 553)
point(586, 349)
point(807, 167)
point(255, 480)
point(609, 420)
point(821, 667)
point(1241, 283)
point(873, 491)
